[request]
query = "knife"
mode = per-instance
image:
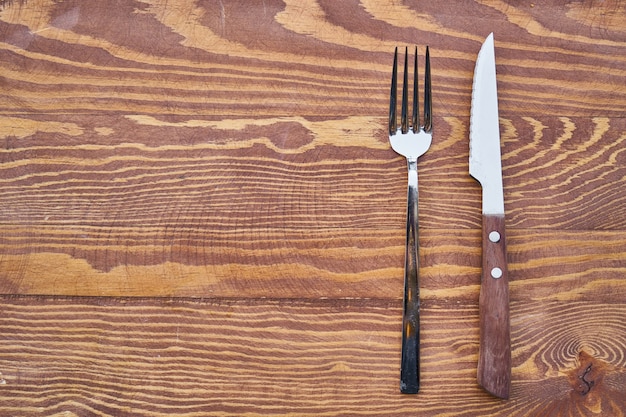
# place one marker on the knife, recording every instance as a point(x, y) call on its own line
point(485, 165)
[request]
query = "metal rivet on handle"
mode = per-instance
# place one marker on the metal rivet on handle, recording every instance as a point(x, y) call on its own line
point(496, 273)
point(494, 237)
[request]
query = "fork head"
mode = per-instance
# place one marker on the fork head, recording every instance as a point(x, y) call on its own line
point(410, 140)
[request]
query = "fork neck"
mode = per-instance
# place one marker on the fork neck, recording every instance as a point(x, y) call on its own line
point(412, 167)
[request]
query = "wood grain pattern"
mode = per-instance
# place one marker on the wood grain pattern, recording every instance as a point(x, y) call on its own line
point(200, 213)
point(122, 214)
point(332, 357)
point(303, 57)
point(544, 265)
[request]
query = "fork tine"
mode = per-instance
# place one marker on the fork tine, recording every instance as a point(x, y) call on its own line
point(405, 95)
point(415, 116)
point(428, 103)
point(393, 123)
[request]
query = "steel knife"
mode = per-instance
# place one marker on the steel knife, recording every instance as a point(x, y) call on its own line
point(485, 165)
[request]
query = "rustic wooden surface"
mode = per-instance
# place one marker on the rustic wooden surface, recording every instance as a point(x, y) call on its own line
point(200, 214)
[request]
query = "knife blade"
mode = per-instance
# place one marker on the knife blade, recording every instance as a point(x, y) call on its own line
point(485, 165)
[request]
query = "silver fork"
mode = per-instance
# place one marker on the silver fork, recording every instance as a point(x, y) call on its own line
point(411, 141)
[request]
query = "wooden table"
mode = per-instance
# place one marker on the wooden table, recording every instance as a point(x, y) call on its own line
point(200, 213)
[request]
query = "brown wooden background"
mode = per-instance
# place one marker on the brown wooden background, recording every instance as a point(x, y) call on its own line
point(200, 214)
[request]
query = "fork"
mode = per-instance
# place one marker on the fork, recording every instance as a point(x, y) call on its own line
point(410, 140)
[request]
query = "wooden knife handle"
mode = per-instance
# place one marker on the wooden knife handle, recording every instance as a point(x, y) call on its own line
point(494, 356)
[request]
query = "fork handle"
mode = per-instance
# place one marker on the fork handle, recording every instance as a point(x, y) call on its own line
point(410, 370)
